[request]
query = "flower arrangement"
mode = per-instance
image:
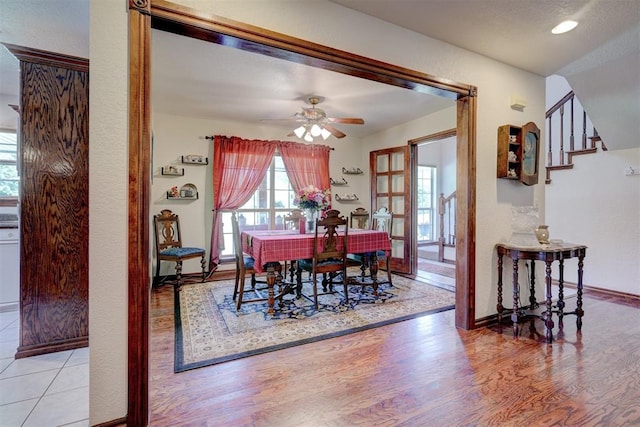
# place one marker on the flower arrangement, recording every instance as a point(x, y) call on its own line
point(313, 198)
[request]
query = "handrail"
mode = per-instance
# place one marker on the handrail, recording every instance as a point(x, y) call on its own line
point(559, 107)
point(446, 206)
point(558, 104)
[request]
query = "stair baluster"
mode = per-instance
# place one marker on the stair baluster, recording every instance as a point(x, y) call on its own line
point(585, 149)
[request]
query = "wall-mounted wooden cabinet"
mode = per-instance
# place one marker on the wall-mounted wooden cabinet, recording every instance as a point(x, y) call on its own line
point(518, 153)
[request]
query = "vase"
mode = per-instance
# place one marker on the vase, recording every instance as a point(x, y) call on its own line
point(312, 216)
point(542, 233)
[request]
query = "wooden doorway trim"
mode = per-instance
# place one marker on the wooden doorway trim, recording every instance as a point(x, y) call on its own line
point(185, 21)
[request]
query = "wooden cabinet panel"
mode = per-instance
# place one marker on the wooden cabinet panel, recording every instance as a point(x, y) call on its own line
point(54, 202)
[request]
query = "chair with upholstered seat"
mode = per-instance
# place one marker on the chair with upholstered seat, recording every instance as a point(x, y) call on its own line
point(168, 239)
point(245, 265)
point(329, 255)
point(359, 218)
point(381, 220)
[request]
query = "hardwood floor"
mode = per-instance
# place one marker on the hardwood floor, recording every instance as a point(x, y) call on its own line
point(421, 372)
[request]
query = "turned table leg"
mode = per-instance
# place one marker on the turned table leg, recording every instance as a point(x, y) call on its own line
point(516, 297)
point(546, 316)
point(579, 310)
point(374, 272)
point(499, 306)
point(271, 281)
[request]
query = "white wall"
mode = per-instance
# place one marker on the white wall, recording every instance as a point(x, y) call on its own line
point(597, 205)
point(333, 26)
point(108, 207)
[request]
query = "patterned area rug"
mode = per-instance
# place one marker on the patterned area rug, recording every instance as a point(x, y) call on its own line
point(209, 330)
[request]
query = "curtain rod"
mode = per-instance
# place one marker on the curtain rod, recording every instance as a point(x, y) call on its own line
point(212, 138)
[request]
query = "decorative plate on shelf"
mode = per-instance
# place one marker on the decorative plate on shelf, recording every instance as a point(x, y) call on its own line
point(188, 191)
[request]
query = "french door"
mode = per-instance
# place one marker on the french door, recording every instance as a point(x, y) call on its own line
point(391, 188)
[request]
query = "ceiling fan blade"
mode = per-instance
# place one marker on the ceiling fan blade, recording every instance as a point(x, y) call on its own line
point(335, 132)
point(346, 120)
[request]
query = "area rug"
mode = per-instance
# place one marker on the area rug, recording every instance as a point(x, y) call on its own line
point(209, 330)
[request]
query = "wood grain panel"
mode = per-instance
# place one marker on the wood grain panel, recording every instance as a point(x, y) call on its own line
point(54, 219)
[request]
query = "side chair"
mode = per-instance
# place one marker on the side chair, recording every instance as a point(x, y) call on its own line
point(359, 219)
point(381, 220)
point(168, 239)
point(329, 255)
point(244, 266)
point(292, 220)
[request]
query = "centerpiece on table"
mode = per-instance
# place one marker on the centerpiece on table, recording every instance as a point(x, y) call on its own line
point(312, 200)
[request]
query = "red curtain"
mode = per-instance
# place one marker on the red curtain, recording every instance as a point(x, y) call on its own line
point(239, 165)
point(306, 164)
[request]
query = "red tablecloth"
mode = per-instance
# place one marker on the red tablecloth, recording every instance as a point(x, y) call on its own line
point(275, 245)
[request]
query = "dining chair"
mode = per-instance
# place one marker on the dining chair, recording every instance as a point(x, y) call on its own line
point(381, 220)
point(168, 242)
point(244, 266)
point(359, 218)
point(329, 255)
point(292, 220)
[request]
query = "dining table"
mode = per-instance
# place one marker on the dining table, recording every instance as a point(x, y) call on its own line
point(267, 246)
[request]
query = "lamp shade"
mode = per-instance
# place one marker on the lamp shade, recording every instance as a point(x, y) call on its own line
point(299, 131)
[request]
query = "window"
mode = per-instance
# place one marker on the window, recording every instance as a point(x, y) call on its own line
point(266, 209)
point(426, 202)
point(9, 180)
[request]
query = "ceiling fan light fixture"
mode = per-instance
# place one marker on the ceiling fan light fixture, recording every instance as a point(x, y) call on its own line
point(308, 137)
point(564, 27)
point(299, 131)
point(315, 130)
point(325, 133)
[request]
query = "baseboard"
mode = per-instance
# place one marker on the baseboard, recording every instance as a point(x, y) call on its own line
point(593, 292)
point(119, 422)
point(51, 347)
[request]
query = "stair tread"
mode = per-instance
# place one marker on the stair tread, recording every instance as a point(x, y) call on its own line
point(560, 167)
point(583, 151)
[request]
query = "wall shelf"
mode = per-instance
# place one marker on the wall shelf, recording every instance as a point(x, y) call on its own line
point(340, 182)
point(171, 197)
point(194, 159)
point(172, 171)
point(186, 192)
point(347, 198)
point(352, 171)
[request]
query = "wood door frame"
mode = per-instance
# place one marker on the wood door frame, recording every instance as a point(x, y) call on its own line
point(143, 14)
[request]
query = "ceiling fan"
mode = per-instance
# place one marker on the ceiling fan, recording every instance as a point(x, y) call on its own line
point(316, 123)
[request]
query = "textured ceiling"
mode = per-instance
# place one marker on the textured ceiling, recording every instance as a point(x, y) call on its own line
point(243, 86)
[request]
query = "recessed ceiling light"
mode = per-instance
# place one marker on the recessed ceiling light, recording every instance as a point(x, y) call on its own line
point(564, 27)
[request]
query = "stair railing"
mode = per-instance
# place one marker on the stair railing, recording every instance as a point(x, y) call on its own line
point(565, 158)
point(447, 213)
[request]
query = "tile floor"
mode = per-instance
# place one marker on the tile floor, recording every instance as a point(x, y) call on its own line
point(49, 390)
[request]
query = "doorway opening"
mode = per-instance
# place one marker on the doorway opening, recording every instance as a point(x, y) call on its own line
point(435, 205)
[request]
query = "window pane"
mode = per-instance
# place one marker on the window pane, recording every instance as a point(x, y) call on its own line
point(9, 181)
point(267, 207)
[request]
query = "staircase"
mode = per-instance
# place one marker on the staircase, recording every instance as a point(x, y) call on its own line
point(556, 120)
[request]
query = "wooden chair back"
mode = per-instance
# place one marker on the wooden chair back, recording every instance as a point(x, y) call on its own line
point(167, 230)
point(359, 219)
point(382, 220)
point(328, 243)
point(292, 221)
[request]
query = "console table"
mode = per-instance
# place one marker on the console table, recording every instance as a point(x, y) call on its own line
point(548, 254)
